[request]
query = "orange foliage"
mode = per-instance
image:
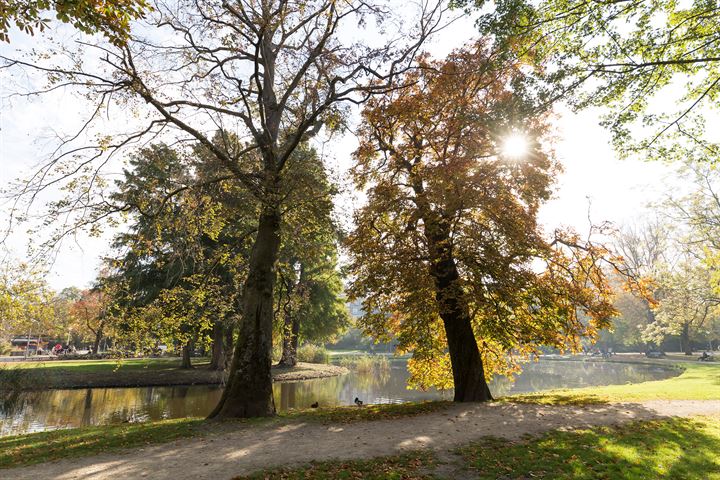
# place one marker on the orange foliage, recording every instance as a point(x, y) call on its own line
point(432, 150)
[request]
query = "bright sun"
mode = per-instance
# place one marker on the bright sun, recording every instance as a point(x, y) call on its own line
point(515, 146)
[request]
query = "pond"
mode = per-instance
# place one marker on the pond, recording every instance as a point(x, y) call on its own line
point(53, 409)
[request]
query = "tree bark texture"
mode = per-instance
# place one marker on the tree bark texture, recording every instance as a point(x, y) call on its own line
point(217, 358)
point(98, 339)
point(685, 340)
point(467, 365)
point(248, 392)
point(291, 329)
point(186, 361)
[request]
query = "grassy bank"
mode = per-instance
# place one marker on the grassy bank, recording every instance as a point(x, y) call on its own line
point(411, 466)
point(136, 373)
point(661, 449)
point(677, 448)
point(698, 381)
point(109, 373)
point(54, 445)
point(640, 443)
point(41, 447)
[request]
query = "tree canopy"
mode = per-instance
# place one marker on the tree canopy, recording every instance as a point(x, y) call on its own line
point(109, 17)
point(624, 55)
point(447, 252)
point(276, 72)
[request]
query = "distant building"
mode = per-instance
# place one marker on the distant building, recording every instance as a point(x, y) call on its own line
point(355, 309)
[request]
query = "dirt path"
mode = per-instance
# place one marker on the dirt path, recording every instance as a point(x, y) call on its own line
point(220, 457)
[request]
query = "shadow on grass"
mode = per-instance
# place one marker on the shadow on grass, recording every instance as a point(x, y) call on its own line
point(556, 399)
point(662, 449)
point(349, 414)
point(410, 466)
point(41, 447)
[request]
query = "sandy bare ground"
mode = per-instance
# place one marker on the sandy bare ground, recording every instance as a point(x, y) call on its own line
point(251, 448)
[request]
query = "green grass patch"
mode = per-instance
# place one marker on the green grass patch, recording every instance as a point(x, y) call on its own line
point(107, 373)
point(410, 466)
point(349, 414)
point(45, 446)
point(651, 450)
point(698, 381)
point(665, 449)
point(109, 365)
point(41, 447)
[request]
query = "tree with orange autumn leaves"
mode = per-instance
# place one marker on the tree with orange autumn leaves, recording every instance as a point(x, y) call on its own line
point(111, 18)
point(91, 312)
point(447, 254)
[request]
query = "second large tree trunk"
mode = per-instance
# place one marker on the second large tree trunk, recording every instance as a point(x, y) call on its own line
point(685, 340)
point(248, 392)
point(186, 361)
point(291, 329)
point(98, 339)
point(467, 365)
point(217, 359)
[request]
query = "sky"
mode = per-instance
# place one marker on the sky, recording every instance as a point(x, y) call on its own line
point(594, 181)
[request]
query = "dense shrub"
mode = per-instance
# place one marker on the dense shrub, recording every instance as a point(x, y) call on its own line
point(313, 354)
point(366, 364)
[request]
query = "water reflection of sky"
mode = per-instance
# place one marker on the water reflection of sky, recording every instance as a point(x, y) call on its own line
point(37, 411)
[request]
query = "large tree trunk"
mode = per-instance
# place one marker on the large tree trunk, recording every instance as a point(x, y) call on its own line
point(291, 322)
point(228, 344)
point(98, 339)
point(248, 392)
point(291, 329)
point(217, 358)
point(467, 365)
point(249, 387)
point(186, 361)
point(685, 340)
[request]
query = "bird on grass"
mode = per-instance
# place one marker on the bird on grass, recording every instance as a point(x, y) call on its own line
point(315, 405)
point(358, 402)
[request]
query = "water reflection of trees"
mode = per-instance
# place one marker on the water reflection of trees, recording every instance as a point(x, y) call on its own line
point(33, 411)
point(546, 375)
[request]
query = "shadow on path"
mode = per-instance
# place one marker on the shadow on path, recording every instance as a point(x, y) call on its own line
point(252, 448)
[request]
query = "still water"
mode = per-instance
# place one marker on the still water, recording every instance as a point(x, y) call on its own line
point(53, 409)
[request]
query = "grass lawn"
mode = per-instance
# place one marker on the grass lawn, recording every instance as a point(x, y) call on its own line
point(54, 445)
point(677, 448)
point(349, 414)
point(411, 466)
point(670, 449)
point(107, 366)
point(698, 381)
point(45, 446)
point(105, 373)
point(136, 372)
